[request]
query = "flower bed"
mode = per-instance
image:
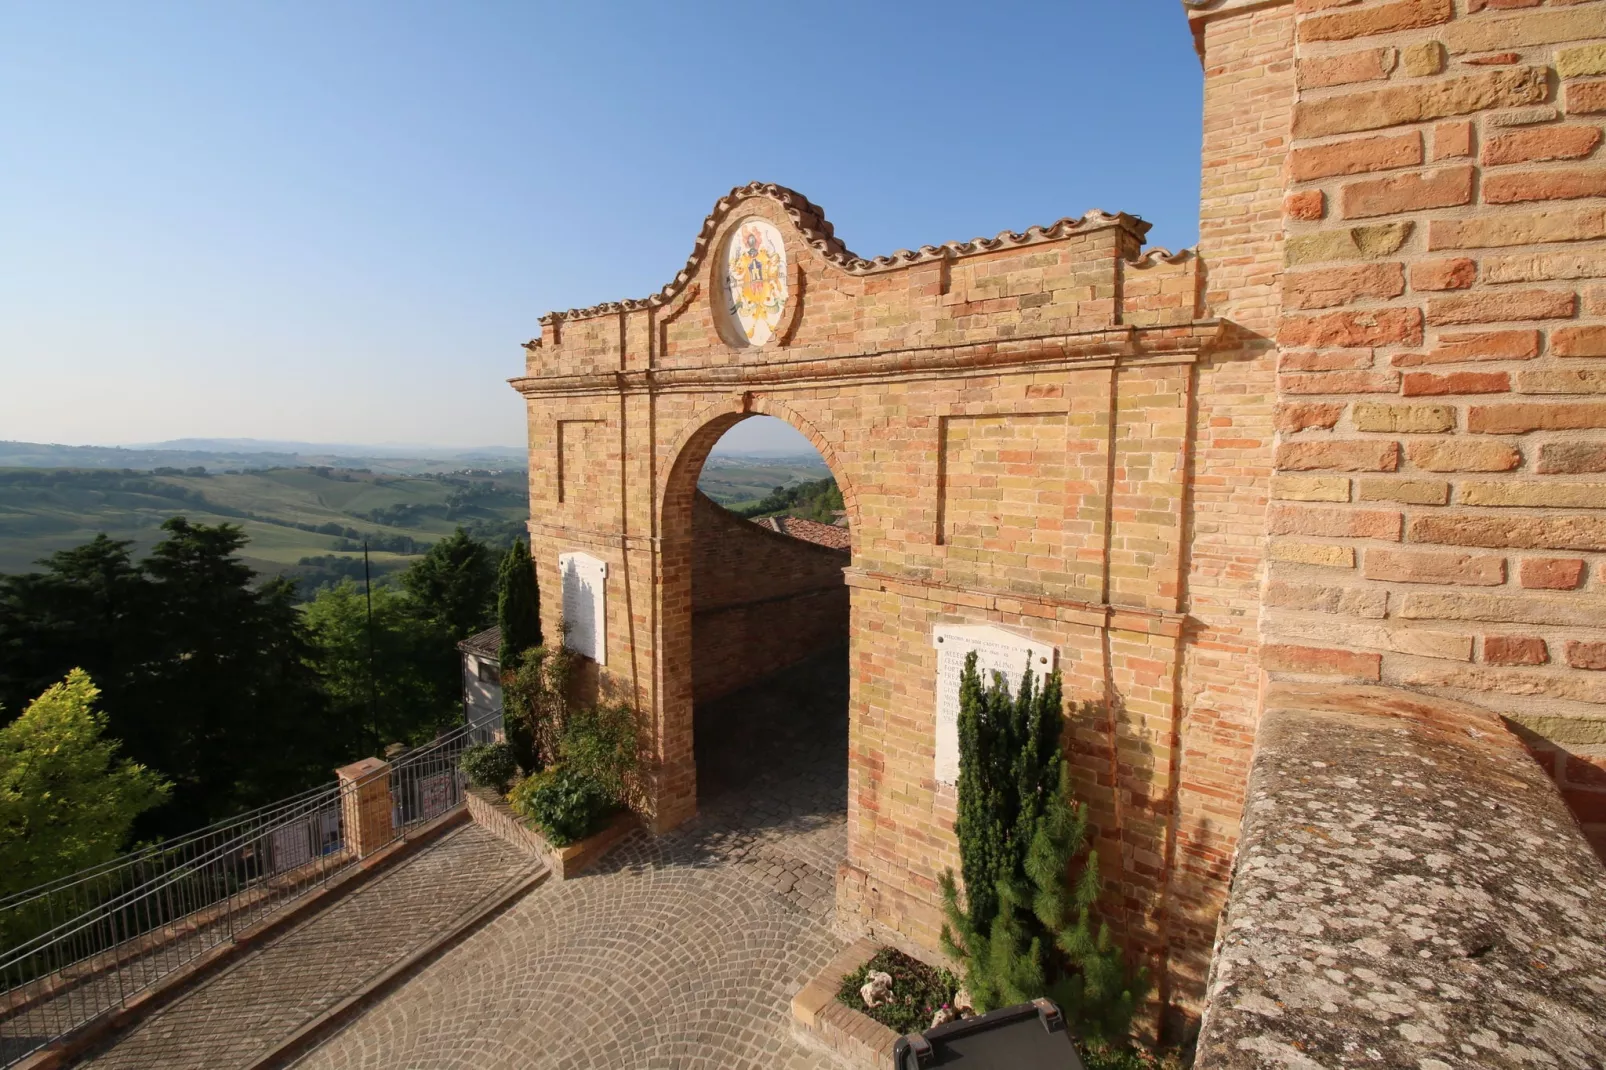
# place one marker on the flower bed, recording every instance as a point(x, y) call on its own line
point(919, 991)
point(491, 812)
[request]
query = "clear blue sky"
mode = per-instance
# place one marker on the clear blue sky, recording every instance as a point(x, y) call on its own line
point(337, 222)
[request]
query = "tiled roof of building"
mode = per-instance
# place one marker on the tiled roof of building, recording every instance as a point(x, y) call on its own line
point(487, 644)
point(810, 531)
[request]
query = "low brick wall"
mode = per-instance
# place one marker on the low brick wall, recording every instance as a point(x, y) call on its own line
point(859, 1039)
point(760, 600)
point(492, 813)
point(1410, 892)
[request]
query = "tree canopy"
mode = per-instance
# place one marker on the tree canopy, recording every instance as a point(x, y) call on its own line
point(221, 681)
point(455, 585)
point(67, 800)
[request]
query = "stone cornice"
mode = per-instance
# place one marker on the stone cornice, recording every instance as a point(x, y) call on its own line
point(1113, 345)
point(818, 233)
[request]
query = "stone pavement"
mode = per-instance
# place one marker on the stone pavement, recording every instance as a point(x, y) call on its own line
point(272, 991)
point(682, 950)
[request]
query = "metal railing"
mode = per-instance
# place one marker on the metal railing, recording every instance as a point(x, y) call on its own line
point(81, 946)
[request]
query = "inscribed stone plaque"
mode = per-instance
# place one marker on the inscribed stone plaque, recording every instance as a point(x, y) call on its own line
point(585, 579)
point(996, 651)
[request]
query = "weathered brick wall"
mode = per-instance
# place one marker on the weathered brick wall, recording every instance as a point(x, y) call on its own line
point(1011, 422)
point(760, 600)
point(1436, 517)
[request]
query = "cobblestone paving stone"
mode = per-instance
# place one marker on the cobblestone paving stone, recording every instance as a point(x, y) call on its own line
point(274, 990)
point(682, 951)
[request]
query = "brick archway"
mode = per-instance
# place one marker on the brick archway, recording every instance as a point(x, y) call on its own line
point(677, 786)
point(1010, 420)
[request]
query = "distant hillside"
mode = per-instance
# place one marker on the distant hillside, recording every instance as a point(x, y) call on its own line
point(306, 522)
point(221, 455)
point(306, 518)
point(740, 481)
point(819, 500)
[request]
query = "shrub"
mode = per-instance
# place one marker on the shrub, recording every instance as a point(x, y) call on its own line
point(1027, 928)
point(599, 743)
point(918, 991)
point(490, 765)
point(568, 805)
point(535, 701)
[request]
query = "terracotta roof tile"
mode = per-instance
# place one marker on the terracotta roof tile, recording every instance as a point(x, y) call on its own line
point(837, 538)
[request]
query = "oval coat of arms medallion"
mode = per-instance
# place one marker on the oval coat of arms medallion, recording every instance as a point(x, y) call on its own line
point(755, 281)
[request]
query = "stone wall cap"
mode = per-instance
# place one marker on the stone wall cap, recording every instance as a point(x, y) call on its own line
point(359, 769)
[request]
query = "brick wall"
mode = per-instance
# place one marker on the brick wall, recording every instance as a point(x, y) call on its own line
point(1011, 423)
point(760, 600)
point(1436, 517)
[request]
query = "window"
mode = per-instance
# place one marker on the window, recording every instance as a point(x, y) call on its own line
point(489, 673)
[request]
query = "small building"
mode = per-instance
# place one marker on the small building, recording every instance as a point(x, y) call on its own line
point(482, 677)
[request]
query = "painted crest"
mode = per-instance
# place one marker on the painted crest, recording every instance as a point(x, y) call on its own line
point(755, 280)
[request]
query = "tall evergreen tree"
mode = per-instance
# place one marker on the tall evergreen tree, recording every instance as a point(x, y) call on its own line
point(455, 585)
point(518, 605)
point(1026, 928)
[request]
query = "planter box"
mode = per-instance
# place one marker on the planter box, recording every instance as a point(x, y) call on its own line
point(492, 813)
point(854, 1036)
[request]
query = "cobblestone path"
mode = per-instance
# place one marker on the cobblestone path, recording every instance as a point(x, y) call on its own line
point(274, 990)
point(682, 950)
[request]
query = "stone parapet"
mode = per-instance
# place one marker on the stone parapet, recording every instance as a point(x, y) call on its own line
point(1410, 891)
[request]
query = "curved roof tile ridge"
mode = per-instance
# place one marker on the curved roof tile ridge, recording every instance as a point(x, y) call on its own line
point(820, 235)
point(1159, 254)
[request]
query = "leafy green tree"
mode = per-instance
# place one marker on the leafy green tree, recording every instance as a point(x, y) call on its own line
point(455, 585)
point(1026, 929)
point(518, 605)
point(67, 800)
point(408, 691)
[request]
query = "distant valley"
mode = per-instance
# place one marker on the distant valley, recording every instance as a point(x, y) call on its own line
point(306, 513)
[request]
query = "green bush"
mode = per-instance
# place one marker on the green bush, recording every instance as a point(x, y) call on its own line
point(490, 765)
point(599, 743)
point(565, 803)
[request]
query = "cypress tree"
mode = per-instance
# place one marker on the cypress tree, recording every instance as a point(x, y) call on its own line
point(518, 604)
point(1027, 929)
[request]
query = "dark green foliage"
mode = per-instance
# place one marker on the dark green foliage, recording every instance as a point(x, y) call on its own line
point(1027, 929)
point(455, 585)
point(204, 675)
point(490, 765)
point(566, 804)
point(918, 991)
point(518, 604)
point(818, 499)
point(600, 743)
point(401, 685)
point(535, 705)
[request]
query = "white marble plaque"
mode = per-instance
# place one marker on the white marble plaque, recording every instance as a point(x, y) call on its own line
point(585, 581)
point(996, 651)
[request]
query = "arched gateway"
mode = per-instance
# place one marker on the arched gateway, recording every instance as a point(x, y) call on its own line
point(1010, 422)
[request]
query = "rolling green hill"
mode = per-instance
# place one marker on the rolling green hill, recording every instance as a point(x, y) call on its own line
point(738, 482)
point(290, 514)
point(308, 522)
